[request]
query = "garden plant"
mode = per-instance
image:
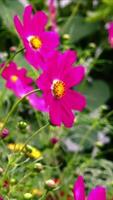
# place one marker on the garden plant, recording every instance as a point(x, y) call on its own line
point(56, 99)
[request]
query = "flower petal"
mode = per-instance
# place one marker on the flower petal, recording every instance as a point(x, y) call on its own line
point(67, 115)
point(44, 82)
point(77, 101)
point(55, 112)
point(18, 26)
point(39, 22)
point(68, 58)
point(18, 88)
point(37, 102)
point(50, 41)
point(34, 58)
point(98, 193)
point(79, 189)
point(27, 15)
point(74, 76)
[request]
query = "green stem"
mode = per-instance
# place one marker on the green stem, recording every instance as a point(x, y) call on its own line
point(44, 196)
point(33, 135)
point(88, 133)
point(10, 59)
point(15, 106)
point(27, 141)
point(109, 114)
point(75, 9)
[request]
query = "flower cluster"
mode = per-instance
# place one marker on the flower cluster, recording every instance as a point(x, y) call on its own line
point(97, 193)
point(58, 73)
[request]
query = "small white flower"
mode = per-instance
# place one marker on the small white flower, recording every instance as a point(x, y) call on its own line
point(24, 2)
point(62, 3)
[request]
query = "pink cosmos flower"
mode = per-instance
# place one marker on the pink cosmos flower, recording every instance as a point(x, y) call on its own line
point(38, 42)
point(97, 193)
point(21, 84)
point(110, 33)
point(57, 82)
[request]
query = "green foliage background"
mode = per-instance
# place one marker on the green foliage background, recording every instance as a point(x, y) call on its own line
point(84, 153)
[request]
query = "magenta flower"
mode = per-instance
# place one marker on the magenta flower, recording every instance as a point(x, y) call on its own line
point(98, 193)
point(21, 84)
point(38, 42)
point(56, 82)
point(16, 79)
point(110, 33)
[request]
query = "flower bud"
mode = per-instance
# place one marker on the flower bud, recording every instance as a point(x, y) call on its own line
point(99, 144)
point(28, 196)
point(54, 140)
point(12, 181)
point(13, 49)
point(22, 125)
point(66, 36)
point(50, 184)
point(37, 192)
point(4, 133)
point(6, 184)
point(38, 166)
point(1, 170)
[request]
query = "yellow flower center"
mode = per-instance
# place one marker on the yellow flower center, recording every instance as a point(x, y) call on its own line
point(58, 89)
point(14, 78)
point(35, 42)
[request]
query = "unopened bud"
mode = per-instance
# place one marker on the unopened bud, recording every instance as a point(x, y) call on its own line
point(39, 167)
point(22, 125)
point(66, 36)
point(13, 49)
point(50, 184)
point(28, 196)
point(1, 170)
point(99, 144)
point(4, 133)
point(54, 140)
point(13, 180)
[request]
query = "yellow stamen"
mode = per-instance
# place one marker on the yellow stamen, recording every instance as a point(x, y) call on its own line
point(35, 42)
point(14, 78)
point(58, 89)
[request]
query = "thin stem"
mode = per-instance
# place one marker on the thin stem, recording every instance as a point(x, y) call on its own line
point(33, 135)
point(109, 114)
point(88, 133)
point(20, 181)
point(10, 59)
point(15, 106)
point(44, 196)
point(27, 141)
point(75, 9)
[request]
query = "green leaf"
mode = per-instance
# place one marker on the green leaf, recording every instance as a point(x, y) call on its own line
point(78, 28)
point(97, 94)
point(9, 8)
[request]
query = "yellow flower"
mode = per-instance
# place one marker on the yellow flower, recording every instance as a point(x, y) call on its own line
point(37, 192)
point(28, 150)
